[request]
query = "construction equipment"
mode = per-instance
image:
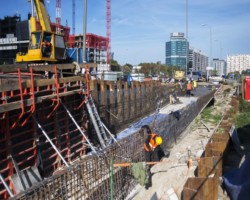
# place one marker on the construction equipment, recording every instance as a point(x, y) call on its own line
point(179, 75)
point(45, 45)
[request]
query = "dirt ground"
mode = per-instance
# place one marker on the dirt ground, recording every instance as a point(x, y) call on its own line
point(170, 175)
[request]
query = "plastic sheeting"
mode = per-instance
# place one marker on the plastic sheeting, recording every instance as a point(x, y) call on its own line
point(237, 182)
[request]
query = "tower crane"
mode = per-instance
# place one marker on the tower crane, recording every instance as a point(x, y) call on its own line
point(108, 29)
point(58, 16)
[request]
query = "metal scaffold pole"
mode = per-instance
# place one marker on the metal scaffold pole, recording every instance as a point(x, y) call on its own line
point(6, 186)
point(54, 147)
point(79, 128)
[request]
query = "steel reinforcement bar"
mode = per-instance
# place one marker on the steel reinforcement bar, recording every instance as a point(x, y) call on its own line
point(89, 178)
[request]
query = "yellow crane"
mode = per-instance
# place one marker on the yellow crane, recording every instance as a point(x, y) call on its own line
point(45, 45)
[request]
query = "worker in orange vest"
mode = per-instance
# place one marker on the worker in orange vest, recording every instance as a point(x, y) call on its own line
point(189, 88)
point(153, 151)
point(152, 147)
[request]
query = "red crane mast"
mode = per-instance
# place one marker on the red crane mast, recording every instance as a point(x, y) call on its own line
point(73, 17)
point(58, 16)
point(108, 29)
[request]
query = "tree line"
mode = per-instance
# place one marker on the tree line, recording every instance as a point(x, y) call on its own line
point(148, 69)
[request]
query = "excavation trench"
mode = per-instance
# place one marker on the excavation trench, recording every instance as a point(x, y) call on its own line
point(90, 177)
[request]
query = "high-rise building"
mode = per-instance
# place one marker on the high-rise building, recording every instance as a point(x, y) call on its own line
point(198, 61)
point(219, 67)
point(238, 63)
point(176, 50)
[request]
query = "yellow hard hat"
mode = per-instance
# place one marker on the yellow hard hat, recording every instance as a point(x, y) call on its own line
point(158, 140)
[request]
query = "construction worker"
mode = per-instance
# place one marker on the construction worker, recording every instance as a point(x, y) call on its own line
point(152, 147)
point(194, 85)
point(189, 88)
point(153, 152)
point(46, 48)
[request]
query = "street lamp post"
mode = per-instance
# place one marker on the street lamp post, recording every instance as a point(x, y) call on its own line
point(84, 32)
point(210, 56)
point(187, 49)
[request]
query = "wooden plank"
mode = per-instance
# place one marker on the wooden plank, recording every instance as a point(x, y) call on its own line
point(201, 188)
point(210, 165)
point(215, 149)
point(17, 105)
point(132, 95)
point(120, 101)
point(39, 83)
point(219, 137)
point(13, 68)
point(39, 67)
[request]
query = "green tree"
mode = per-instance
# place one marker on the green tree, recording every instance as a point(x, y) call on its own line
point(127, 68)
point(115, 66)
point(152, 69)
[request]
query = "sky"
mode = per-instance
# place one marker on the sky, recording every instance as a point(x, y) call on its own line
point(140, 28)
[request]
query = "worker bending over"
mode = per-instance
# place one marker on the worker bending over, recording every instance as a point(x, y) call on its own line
point(153, 151)
point(152, 147)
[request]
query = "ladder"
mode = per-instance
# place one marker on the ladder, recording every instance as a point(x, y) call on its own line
point(95, 118)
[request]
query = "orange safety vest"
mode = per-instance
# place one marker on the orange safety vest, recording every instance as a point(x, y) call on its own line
point(189, 86)
point(152, 145)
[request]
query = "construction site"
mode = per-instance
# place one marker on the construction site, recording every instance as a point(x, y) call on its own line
point(70, 138)
point(64, 135)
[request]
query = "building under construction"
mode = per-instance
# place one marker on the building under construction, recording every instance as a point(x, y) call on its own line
point(15, 34)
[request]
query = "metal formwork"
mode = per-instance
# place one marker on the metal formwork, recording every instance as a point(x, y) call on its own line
point(25, 96)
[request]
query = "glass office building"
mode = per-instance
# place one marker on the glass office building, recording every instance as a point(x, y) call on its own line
point(176, 50)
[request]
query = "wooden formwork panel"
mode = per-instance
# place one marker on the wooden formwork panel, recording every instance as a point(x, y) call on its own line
point(201, 189)
point(210, 165)
point(220, 137)
point(215, 149)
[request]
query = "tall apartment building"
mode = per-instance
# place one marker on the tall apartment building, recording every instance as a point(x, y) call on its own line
point(176, 50)
point(220, 67)
point(238, 63)
point(198, 61)
point(14, 37)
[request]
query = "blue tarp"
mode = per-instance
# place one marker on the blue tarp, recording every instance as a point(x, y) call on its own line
point(237, 182)
point(72, 53)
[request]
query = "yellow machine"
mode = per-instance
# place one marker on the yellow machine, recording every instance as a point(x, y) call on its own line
point(45, 45)
point(179, 75)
